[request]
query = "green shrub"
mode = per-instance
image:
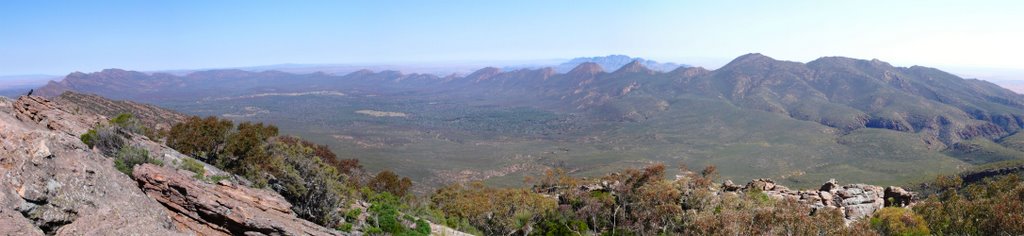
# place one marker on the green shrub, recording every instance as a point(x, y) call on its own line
point(353, 215)
point(423, 227)
point(194, 166)
point(899, 221)
point(989, 207)
point(199, 137)
point(313, 188)
point(346, 227)
point(123, 120)
point(110, 138)
point(559, 224)
point(245, 151)
point(373, 231)
point(130, 156)
point(129, 123)
point(218, 178)
point(384, 213)
point(89, 138)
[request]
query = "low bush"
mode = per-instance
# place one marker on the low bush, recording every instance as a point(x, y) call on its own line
point(387, 181)
point(899, 221)
point(89, 138)
point(991, 207)
point(194, 166)
point(108, 139)
point(315, 189)
point(129, 156)
point(345, 227)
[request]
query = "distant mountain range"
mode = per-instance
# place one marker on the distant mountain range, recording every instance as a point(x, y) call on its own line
point(834, 117)
point(616, 61)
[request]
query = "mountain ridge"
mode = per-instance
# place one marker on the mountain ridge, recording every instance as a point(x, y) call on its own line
point(617, 61)
point(690, 113)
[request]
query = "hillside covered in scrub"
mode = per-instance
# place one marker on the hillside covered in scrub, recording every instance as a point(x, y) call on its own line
point(76, 172)
point(799, 123)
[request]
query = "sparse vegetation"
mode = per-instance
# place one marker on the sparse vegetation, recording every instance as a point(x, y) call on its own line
point(195, 167)
point(642, 202)
point(990, 207)
point(899, 221)
point(128, 157)
point(308, 175)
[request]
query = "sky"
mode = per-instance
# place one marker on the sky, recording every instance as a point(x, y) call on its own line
point(59, 37)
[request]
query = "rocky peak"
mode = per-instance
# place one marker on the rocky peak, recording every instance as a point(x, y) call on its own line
point(391, 74)
point(357, 73)
point(483, 74)
point(586, 69)
point(750, 59)
point(873, 67)
point(690, 71)
point(634, 67)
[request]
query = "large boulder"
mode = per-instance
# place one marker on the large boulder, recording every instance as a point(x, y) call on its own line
point(761, 184)
point(898, 197)
point(859, 200)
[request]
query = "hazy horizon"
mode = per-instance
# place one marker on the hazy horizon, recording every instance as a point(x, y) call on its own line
point(58, 38)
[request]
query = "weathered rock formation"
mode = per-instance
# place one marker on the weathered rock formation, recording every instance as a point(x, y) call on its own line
point(855, 201)
point(151, 116)
point(34, 109)
point(52, 183)
point(222, 208)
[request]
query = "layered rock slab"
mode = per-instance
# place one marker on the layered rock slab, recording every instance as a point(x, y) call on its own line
point(222, 208)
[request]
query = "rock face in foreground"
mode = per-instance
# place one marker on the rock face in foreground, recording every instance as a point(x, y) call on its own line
point(222, 208)
point(52, 183)
point(855, 201)
point(53, 116)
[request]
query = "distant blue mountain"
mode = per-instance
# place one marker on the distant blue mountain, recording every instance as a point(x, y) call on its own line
point(614, 62)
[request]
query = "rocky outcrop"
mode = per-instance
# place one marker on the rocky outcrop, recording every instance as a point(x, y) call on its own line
point(151, 116)
point(898, 197)
point(223, 208)
point(855, 201)
point(53, 184)
point(53, 116)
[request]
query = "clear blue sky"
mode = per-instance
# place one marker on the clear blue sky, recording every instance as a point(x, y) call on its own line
point(55, 37)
